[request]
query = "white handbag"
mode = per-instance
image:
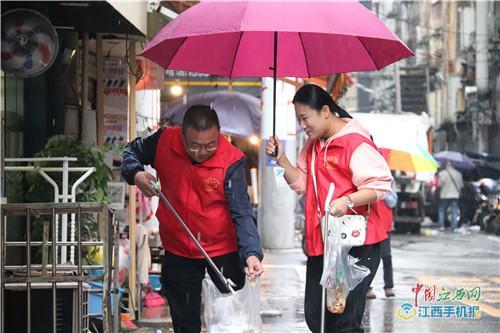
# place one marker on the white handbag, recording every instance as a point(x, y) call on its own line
point(353, 229)
point(353, 232)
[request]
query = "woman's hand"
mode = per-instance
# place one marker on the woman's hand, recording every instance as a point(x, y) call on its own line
point(338, 207)
point(271, 147)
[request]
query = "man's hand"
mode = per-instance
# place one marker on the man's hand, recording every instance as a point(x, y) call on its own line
point(254, 267)
point(141, 179)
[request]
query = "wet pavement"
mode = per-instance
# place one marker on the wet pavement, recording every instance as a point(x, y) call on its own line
point(445, 259)
point(440, 259)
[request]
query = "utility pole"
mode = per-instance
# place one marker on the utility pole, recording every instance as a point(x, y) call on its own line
point(443, 112)
point(482, 119)
point(397, 81)
point(276, 218)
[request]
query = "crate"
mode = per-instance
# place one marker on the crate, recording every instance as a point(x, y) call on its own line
point(95, 299)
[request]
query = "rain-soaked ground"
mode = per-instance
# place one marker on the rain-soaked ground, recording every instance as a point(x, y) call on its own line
point(467, 265)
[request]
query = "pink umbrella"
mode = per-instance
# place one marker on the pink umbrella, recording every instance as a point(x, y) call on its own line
point(276, 38)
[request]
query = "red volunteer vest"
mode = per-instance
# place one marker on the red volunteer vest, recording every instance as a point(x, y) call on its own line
point(196, 191)
point(335, 168)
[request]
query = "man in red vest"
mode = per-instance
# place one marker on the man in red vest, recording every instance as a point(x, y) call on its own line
point(203, 176)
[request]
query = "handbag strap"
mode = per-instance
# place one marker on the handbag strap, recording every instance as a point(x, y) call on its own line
point(313, 174)
point(453, 180)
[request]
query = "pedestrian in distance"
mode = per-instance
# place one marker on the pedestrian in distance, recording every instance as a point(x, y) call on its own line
point(390, 202)
point(450, 182)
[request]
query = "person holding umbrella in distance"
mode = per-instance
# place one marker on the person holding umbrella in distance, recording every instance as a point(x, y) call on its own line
point(347, 157)
point(203, 177)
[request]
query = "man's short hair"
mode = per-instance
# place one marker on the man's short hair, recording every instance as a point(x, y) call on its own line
point(200, 118)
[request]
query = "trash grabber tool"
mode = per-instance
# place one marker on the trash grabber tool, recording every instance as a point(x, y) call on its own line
point(325, 248)
point(227, 282)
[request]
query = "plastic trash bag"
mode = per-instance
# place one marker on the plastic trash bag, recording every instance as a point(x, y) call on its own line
point(227, 313)
point(123, 260)
point(341, 274)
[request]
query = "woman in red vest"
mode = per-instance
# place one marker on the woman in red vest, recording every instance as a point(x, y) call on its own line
point(346, 156)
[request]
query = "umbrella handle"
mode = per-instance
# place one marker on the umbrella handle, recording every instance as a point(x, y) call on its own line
point(227, 282)
point(275, 69)
point(275, 152)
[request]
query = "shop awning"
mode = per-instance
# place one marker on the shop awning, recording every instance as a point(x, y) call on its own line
point(107, 17)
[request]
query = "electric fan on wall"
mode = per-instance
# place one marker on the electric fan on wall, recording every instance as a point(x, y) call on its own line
point(29, 43)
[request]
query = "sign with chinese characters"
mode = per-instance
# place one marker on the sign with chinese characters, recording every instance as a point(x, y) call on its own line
point(115, 107)
point(433, 302)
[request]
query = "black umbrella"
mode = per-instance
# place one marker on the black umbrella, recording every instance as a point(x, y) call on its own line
point(485, 170)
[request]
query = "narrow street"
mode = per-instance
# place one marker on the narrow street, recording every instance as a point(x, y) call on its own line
point(452, 260)
point(446, 259)
point(140, 138)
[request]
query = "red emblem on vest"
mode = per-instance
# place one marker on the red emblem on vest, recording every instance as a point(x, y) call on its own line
point(331, 162)
point(211, 184)
point(355, 233)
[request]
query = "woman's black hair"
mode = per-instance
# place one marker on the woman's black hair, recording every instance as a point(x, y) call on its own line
point(316, 97)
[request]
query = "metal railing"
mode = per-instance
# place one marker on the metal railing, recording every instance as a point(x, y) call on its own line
point(59, 196)
point(74, 275)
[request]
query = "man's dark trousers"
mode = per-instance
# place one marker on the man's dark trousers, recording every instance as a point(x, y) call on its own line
point(182, 279)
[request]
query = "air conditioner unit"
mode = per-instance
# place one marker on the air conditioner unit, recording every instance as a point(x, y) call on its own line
point(67, 304)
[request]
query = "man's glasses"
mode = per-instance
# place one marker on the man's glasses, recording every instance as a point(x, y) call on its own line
point(195, 148)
